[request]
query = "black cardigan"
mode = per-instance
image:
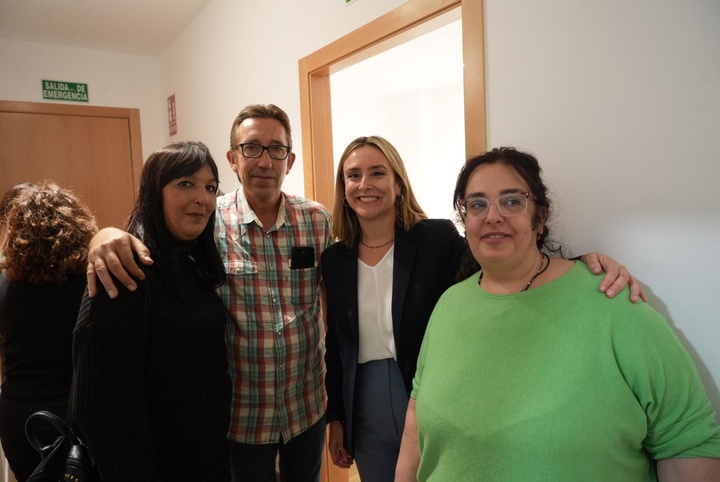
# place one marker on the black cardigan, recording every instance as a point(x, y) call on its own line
point(153, 392)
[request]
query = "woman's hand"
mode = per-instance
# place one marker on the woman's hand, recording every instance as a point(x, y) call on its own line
point(340, 456)
point(617, 276)
point(111, 251)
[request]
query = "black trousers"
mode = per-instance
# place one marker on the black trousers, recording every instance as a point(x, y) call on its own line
point(300, 458)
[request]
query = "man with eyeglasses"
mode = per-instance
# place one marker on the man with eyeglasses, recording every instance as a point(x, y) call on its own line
point(270, 243)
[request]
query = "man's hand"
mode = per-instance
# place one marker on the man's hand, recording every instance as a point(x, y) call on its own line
point(111, 251)
point(617, 276)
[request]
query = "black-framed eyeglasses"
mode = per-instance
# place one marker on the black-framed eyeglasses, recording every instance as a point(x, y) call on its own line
point(252, 150)
point(508, 205)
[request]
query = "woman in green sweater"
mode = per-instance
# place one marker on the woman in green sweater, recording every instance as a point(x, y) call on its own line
point(527, 373)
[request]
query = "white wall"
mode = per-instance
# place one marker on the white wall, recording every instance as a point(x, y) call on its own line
point(239, 53)
point(620, 101)
point(114, 80)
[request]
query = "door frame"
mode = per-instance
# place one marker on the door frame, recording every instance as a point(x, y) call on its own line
point(411, 20)
point(404, 23)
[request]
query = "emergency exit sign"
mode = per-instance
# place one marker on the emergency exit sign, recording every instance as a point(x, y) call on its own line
point(69, 91)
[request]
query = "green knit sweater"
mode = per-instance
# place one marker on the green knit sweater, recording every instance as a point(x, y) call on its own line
point(557, 383)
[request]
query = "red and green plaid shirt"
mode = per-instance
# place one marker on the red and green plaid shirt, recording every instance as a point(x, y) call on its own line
point(276, 346)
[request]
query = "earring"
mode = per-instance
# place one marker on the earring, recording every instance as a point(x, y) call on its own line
point(402, 198)
point(345, 203)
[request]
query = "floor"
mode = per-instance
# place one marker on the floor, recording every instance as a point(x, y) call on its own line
point(353, 474)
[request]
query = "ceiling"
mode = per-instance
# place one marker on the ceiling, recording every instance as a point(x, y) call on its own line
point(138, 27)
point(147, 27)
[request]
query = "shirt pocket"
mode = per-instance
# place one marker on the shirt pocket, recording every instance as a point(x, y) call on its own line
point(303, 287)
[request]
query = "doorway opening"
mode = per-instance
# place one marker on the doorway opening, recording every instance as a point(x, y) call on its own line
point(411, 20)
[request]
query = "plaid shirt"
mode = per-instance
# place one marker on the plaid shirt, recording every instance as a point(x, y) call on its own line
point(276, 346)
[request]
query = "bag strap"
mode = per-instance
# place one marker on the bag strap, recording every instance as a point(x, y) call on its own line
point(43, 416)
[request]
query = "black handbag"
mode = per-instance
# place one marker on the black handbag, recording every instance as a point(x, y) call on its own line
point(66, 459)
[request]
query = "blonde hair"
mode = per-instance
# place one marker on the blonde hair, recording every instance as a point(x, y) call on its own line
point(346, 227)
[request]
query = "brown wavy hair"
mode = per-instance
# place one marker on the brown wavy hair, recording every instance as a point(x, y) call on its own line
point(48, 230)
point(5, 204)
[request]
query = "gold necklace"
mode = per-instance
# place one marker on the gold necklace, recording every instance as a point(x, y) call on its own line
point(540, 271)
point(376, 247)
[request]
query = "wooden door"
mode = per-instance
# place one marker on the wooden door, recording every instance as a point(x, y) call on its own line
point(95, 151)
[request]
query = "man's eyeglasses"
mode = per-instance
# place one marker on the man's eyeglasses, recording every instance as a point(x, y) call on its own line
point(508, 205)
point(252, 150)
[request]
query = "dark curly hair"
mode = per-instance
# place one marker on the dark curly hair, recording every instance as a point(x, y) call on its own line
point(8, 197)
point(48, 230)
point(5, 205)
point(528, 168)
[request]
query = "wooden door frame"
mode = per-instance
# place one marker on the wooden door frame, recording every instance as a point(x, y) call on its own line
point(411, 20)
point(404, 23)
point(132, 116)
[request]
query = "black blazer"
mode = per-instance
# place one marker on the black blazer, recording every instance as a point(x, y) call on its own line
point(425, 265)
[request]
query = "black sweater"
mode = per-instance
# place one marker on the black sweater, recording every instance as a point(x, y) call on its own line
point(36, 322)
point(153, 393)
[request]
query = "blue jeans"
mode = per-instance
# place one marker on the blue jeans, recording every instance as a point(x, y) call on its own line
point(300, 458)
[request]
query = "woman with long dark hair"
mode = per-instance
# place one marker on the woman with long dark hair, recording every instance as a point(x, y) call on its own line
point(153, 391)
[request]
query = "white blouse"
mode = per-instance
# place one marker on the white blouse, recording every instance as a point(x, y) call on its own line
point(375, 309)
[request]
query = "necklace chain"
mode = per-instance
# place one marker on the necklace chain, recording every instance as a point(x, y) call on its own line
point(543, 267)
point(376, 247)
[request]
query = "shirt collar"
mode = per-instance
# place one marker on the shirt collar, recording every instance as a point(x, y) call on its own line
point(248, 215)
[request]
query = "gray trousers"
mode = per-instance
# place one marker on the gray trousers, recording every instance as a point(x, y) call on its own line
point(380, 405)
